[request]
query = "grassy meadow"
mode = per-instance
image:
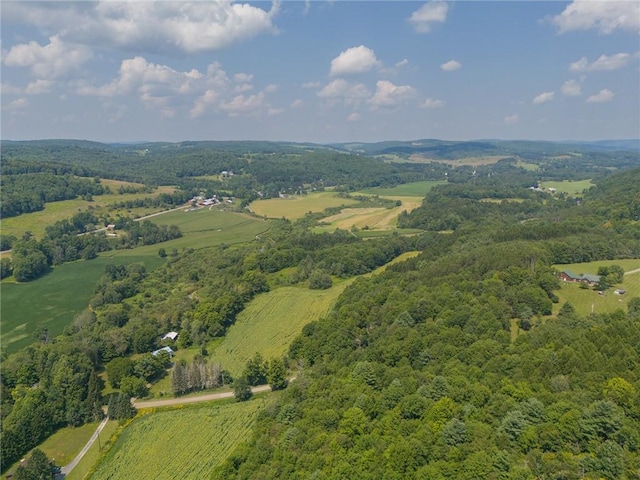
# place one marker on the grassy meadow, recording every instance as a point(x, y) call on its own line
point(570, 187)
point(298, 206)
point(35, 222)
point(413, 189)
point(271, 321)
point(55, 299)
point(185, 443)
point(588, 300)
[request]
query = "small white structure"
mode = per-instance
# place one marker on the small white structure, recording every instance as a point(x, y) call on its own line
point(163, 349)
point(170, 335)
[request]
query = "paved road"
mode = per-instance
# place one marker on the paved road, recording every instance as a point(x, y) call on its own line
point(67, 468)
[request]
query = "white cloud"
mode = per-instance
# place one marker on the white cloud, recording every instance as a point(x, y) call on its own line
point(543, 98)
point(271, 88)
point(243, 87)
point(274, 111)
point(604, 95)
point(203, 103)
point(50, 61)
point(242, 77)
point(605, 16)
point(451, 66)
point(38, 87)
point(149, 26)
point(389, 95)
point(311, 84)
point(613, 62)
point(431, 103)
point(353, 117)
point(17, 105)
point(571, 88)
point(351, 93)
point(429, 13)
point(297, 103)
point(512, 119)
point(402, 63)
point(138, 75)
point(242, 105)
point(354, 60)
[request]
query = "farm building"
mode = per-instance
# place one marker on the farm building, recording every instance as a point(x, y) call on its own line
point(586, 278)
point(170, 336)
point(163, 349)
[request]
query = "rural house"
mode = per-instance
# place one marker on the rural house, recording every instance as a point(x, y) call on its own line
point(586, 278)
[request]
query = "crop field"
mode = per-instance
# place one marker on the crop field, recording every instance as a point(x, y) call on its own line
point(298, 206)
point(179, 443)
point(468, 161)
point(375, 218)
point(209, 226)
point(55, 299)
point(271, 321)
point(588, 300)
point(413, 189)
point(570, 187)
point(35, 222)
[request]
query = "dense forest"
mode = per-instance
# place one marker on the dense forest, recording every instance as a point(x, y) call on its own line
point(415, 372)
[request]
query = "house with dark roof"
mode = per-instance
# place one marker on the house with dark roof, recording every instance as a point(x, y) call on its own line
point(586, 278)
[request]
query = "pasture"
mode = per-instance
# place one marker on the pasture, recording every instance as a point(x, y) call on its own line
point(459, 162)
point(588, 300)
point(297, 206)
point(209, 226)
point(413, 189)
point(185, 443)
point(35, 222)
point(56, 298)
point(569, 187)
point(270, 322)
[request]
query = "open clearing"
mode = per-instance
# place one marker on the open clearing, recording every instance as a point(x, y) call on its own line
point(185, 443)
point(35, 222)
point(271, 321)
point(298, 206)
point(55, 299)
point(468, 161)
point(570, 187)
point(588, 300)
point(413, 189)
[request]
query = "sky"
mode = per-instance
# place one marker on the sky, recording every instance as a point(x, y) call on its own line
point(320, 71)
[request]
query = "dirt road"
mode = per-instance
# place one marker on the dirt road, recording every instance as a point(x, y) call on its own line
point(199, 398)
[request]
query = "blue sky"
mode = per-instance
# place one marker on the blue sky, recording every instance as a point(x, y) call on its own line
point(320, 71)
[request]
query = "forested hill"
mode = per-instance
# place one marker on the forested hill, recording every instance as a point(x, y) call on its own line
point(417, 373)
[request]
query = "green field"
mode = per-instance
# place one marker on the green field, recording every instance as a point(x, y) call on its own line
point(179, 443)
point(569, 187)
point(210, 226)
point(588, 300)
point(298, 206)
point(413, 189)
point(55, 299)
point(271, 321)
point(35, 222)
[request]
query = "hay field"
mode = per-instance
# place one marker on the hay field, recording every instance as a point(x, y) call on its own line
point(297, 206)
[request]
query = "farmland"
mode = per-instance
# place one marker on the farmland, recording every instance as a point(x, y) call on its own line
point(55, 299)
point(588, 300)
point(36, 222)
point(157, 446)
point(570, 187)
point(271, 321)
point(413, 189)
point(295, 207)
point(468, 161)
